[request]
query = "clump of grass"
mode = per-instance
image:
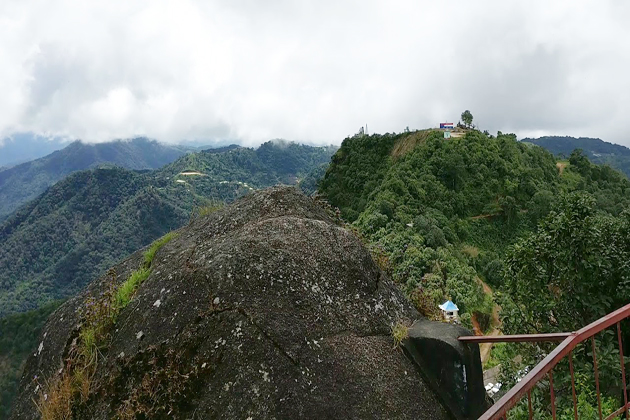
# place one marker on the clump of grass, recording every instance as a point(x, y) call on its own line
point(400, 331)
point(126, 290)
point(88, 347)
point(99, 315)
point(56, 404)
point(155, 246)
point(82, 381)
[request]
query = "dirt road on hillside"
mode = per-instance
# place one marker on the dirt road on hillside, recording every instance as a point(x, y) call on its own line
point(495, 324)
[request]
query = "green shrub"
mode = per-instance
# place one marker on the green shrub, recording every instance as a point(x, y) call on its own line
point(127, 289)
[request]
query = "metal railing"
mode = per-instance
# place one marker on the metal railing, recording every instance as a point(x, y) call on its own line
point(568, 342)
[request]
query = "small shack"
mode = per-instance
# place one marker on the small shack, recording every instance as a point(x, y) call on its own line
point(450, 311)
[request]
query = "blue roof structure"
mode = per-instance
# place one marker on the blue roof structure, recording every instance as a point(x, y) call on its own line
point(449, 306)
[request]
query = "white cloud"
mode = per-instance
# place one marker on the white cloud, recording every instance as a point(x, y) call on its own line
point(311, 70)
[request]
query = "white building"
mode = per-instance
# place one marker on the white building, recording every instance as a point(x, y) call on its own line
point(450, 311)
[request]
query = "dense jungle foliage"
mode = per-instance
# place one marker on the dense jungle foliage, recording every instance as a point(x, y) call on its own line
point(569, 272)
point(552, 238)
point(444, 212)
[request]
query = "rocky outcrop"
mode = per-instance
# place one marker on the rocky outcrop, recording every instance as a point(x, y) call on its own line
point(263, 309)
point(452, 368)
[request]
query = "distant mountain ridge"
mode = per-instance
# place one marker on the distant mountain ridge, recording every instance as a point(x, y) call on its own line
point(597, 150)
point(51, 247)
point(24, 182)
point(22, 147)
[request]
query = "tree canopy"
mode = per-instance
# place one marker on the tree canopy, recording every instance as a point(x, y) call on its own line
point(444, 212)
point(467, 118)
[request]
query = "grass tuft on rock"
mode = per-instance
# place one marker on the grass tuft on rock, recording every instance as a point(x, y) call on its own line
point(155, 246)
point(210, 208)
point(126, 290)
point(400, 331)
point(56, 402)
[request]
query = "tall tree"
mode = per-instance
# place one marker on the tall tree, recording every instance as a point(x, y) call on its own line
point(572, 271)
point(467, 118)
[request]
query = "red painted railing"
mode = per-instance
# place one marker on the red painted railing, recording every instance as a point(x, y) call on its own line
point(569, 341)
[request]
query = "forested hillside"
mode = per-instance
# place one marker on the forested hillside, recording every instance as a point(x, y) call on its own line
point(443, 212)
point(18, 337)
point(57, 243)
point(598, 151)
point(552, 238)
point(24, 182)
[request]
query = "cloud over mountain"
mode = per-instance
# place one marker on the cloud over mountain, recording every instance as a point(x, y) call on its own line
point(313, 70)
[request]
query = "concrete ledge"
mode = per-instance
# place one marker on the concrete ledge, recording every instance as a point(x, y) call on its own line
point(452, 368)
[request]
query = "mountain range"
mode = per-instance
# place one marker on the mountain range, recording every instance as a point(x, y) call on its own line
point(22, 183)
point(51, 247)
point(597, 150)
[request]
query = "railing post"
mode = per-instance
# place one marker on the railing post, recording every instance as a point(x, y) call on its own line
point(575, 412)
point(553, 397)
point(623, 370)
point(529, 404)
point(599, 397)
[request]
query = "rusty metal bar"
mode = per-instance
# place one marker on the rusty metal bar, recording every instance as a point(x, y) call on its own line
point(519, 338)
point(599, 397)
point(553, 396)
point(529, 404)
point(514, 395)
point(536, 374)
point(616, 413)
point(575, 411)
point(623, 371)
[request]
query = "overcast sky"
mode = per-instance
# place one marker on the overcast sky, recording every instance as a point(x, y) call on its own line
point(312, 71)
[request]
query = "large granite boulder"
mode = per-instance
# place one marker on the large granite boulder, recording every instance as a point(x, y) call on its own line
point(263, 309)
